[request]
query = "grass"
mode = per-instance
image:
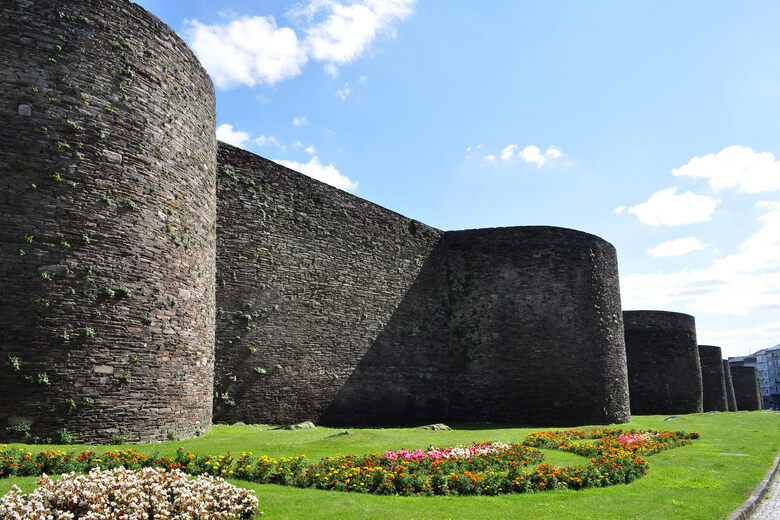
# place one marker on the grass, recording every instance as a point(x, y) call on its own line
point(691, 482)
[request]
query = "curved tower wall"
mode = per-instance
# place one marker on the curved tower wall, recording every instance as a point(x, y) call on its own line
point(731, 401)
point(712, 378)
point(535, 328)
point(664, 372)
point(746, 388)
point(107, 224)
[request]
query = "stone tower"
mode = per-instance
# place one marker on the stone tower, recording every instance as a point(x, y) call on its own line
point(107, 224)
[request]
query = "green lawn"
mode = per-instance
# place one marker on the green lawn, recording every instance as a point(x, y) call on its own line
point(691, 482)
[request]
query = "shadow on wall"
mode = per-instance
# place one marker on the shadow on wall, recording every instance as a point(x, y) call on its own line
point(502, 325)
point(403, 378)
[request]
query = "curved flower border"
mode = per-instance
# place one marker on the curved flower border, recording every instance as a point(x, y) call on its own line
point(616, 457)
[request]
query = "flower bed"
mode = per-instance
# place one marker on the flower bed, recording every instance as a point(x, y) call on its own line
point(122, 493)
point(479, 469)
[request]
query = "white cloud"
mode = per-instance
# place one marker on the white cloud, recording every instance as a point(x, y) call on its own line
point(363, 80)
point(254, 50)
point(327, 174)
point(741, 283)
point(300, 121)
point(680, 246)
point(347, 30)
point(472, 151)
point(226, 134)
point(666, 208)
point(619, 210)
point(490, 159)
point(507, 152)
point(311, 150)
point(265, 140)
point(735, 166)
point(532, 154)
point(246, 51)
point(741, 341)
point(344, 93)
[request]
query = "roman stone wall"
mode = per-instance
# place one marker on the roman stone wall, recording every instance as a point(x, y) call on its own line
point(308, 277)
point(535, 328)
point(747, 391)
point(334, 309)
point(107, 224)
point(713, 379)
point(731, 401)
point(664, 373)
point(115, 227)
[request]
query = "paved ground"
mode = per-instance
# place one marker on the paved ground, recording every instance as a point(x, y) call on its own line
point(769, 505)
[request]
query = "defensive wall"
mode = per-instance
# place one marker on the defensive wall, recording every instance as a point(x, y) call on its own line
point(127, 240)
point(747, 390)
point(731, 401)
point(334, 309)
point(664, 373)
point(713, 379)
point(107, 224)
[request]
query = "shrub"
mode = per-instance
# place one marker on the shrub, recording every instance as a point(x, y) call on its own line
point(123, 493)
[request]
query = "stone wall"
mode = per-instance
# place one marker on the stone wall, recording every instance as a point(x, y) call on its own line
point(327, 307)
point(712, 378)
point(664, 373)
point(747, 391)
point(107, 224)
point(334, 309)
point(309, 277)
point(731, 401)
point(535, 329)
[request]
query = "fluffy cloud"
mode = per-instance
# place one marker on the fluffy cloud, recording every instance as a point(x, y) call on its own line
point(347, 30)
point(254, 50)
point(666, 208)
point(327, 174)
point(226, 133)
point(681, 246)
point(532, 154)
point(740, 283)
point(300, 121)
point(246, 51)
point(735, 166)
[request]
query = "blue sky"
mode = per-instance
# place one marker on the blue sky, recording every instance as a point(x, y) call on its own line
point(654, 125)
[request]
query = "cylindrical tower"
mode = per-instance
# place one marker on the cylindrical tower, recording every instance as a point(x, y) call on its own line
point(731, 401)
point(712, 378)
point(664, 373)
point(107, 225)
point(536, 332)
point(746, 388)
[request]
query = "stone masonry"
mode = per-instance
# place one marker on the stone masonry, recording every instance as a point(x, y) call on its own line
point(731, 401)
point(664, 373)
point(107, 224)
point(334, 309)
point(713, 379)
point(151, 277)
point(746, 388)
